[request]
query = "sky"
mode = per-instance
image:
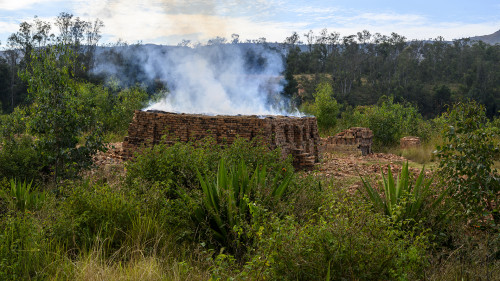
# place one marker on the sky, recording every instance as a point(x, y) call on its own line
point(170, 21)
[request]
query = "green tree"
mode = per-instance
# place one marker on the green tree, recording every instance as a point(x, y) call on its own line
point(326, 108)
point(467, 160)
point(57, 116)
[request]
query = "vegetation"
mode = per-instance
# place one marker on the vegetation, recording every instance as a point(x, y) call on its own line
point(467, 159)
point(201, 211)
point(403, 201)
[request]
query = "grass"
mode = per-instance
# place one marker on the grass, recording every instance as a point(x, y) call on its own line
point(93, 266)
point(317, 230)
point(423, 154)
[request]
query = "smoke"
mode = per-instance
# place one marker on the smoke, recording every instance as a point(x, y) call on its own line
point(225, 79)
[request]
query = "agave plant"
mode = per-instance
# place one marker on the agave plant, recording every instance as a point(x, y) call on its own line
point(226, 201)
point(402, 199)
point(21, 196)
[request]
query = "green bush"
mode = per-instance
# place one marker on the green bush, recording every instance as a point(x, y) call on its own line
point(404, 201)
point(388, 120)
point(225, 208)
point(22, 197)
point(176, 165)
point(467, 159)
point(112, 107)
point(343, 241)
point(91, 213)
point(20, 158)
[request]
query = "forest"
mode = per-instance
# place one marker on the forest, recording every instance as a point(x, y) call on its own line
point(72, 209)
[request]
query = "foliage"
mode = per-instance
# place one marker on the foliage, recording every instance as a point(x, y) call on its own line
point(325, 106)
point(388, 120)
point(22, 197)
point(94, 212)
point(467, 160)
point(23, 249)
point(403, 201)
point(112, 106)
point(57, 118)
point(20, 158)
point(344, 240)
point(177, 164)
point(226, 201)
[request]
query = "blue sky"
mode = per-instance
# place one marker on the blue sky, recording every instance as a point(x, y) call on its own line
point(170, 21)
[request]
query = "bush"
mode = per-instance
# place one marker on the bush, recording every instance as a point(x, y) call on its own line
point(173, 165)
point(95, 212)
point(20, 158)
point(467, 159)
point(389, 122)
point(176, 165)
point(344, 240)
point(226, 204)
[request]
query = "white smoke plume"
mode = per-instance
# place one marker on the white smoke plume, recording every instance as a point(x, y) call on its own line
point(227, 79)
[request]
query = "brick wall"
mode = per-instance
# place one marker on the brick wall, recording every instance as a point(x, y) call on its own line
point(296, 136)
point(355, 140)
point(409, 142)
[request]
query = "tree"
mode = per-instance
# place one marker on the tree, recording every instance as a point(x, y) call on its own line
point(57, 117)
point(326, 108)
point(467, 160)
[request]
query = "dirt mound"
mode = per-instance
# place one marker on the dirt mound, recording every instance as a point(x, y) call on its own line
point(112, 155)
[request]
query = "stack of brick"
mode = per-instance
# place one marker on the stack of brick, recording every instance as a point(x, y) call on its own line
point(409, 142)
point(296, 136)
point(353, 140)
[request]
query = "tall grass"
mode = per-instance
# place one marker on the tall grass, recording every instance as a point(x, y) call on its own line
point(423, 154)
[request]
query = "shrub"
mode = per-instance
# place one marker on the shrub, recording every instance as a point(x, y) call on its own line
point(22, 197)
point(225, 208)
point(93, 212)
point(176, 165)
point(467, 159)
point(402, 200)
point(389, 121)
point(20, 158)
point(344, 240)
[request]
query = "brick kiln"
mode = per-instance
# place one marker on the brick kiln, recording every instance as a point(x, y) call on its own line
point(296, 136)
point(353, 140)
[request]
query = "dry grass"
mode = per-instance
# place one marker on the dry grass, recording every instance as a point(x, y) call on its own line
point(133, 263)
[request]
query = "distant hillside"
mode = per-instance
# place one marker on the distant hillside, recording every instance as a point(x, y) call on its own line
point(490, 39)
